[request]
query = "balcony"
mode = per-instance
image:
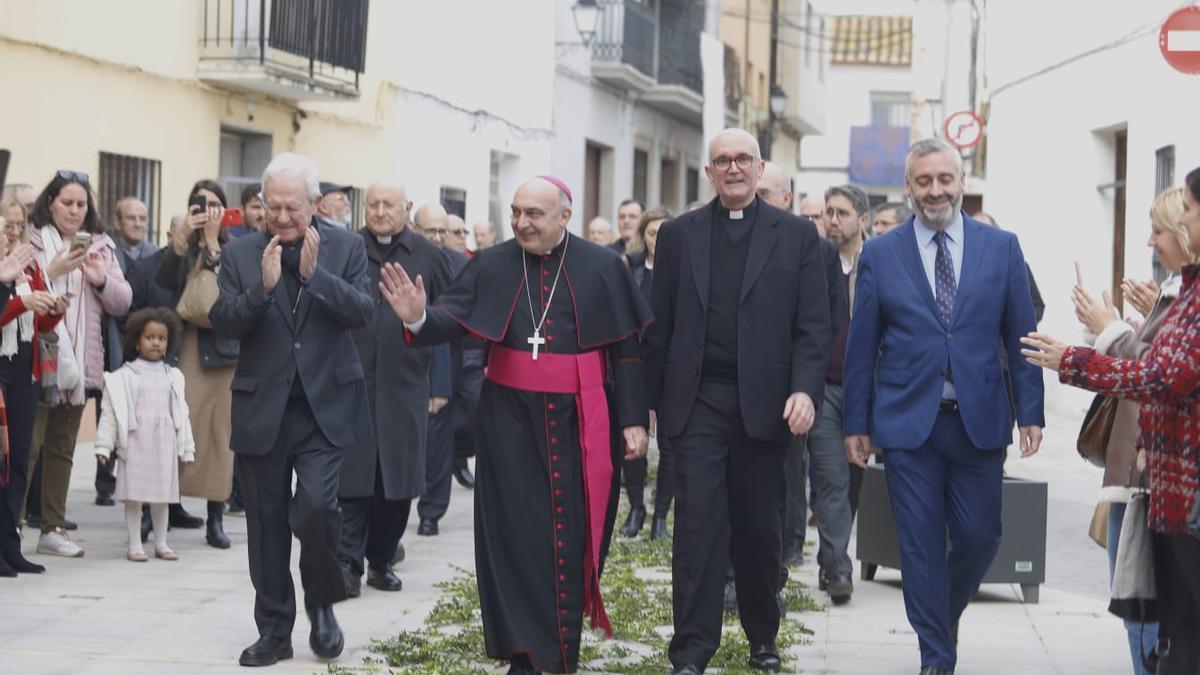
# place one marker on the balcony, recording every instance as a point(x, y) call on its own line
point(680, 88)
point(623, 50)
point(296, 50)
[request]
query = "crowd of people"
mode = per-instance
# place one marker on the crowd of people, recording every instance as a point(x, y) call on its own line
point(770, 348)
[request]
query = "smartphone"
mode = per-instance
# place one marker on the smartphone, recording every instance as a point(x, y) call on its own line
point(1078, 275)
point(198, 200)
point(83, 240)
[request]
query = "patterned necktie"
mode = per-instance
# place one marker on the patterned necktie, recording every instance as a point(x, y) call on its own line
point(943, 274)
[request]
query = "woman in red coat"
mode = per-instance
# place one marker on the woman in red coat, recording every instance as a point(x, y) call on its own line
point(1166, 382)
point(30, 310)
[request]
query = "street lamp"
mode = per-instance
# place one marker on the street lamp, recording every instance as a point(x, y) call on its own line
point(778, 101)
point(587, 15)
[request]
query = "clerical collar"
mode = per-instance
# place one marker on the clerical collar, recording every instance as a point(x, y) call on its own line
point(556, 248)
point(745, 213)
point(382, 239)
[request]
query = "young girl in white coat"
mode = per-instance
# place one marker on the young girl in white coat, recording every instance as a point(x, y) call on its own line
point(144, 423)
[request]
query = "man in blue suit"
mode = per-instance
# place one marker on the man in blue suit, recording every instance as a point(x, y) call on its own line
point(936, 301)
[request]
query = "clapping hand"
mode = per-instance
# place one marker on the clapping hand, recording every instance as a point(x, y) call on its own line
point(1093, 315)
point(308, 254)
point(406, 297)
point(272, 264)
point(1141, 294)
point(1044, 351)
point(14, 264)
point(39, 302)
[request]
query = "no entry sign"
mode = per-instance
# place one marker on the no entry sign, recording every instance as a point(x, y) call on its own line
point(1179, 40)
point(963, 129)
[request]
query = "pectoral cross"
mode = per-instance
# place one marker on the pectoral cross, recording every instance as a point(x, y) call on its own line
point(537, 341)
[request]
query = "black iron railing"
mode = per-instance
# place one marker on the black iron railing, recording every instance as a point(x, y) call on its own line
point(322, 41)
point(626, 32)
point(679, 48)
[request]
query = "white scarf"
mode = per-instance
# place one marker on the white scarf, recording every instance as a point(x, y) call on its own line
point(21, 329)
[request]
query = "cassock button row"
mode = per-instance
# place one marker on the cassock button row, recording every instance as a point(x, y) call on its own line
point(561, 544)
point(549, 321)
point(560, 527)
point(560, 510)
point(562, 577)
point(563, 596)
point(557, 492)
point(545, 288)
point(563, 629)
point(550, 406)
point(563, 612)
point(553, 424)
point(562, 561)
point(557, 474)
point(553, 458)
point(545, 273)
point(550, 338)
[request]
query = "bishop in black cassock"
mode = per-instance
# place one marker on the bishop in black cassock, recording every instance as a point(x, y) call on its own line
point(563, 403)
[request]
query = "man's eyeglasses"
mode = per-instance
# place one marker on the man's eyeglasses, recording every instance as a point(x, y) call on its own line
point(743, 161)
point(435, 231)
point(457, 233)
point(77, 176)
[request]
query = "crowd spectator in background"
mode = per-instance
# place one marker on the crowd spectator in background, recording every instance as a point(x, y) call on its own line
point(456, 234)
point(887, 216)
point(485, 235)
point(79, 260)
point(335, 206)
point(206, 359)
point(629, 215)
point(600, 231)
point(131, 224)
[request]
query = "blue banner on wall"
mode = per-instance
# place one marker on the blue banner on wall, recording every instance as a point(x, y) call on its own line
point(877, 155)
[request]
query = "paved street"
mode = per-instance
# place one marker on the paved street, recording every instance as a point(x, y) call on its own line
point(102, 614)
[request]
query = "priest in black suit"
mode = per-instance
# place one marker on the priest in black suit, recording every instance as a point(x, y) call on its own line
point(735, 360)
point(292, 296)
point(563, 402)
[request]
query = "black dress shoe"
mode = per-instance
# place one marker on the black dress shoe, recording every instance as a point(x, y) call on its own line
point(104, 499)
point(428, 527)
point(822, 580)
point(33, 521)
point(634, 521)
point(69, 525)
point(352, 582)
point(178, 517)
point(266, 652)
point(794, 557)
point(398, 556)
point(764, 657)
point(325, 638)
point(383, 578)
point(462, 474)
point(658, 528)
point(840, 588)
point(214, 530)
point(520, 665)
point(930, 670)
point(688, 669)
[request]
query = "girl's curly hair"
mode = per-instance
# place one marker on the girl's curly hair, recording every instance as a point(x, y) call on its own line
point(137, 321)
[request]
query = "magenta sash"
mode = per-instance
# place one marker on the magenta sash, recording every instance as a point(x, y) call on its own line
point(582, 375)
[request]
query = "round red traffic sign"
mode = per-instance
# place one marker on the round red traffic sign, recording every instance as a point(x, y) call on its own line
point(963, 129)
point(1179, 40)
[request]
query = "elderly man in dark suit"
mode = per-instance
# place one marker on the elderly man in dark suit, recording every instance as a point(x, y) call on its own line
point(385, 470)
point(736, 358)
point(292, 296)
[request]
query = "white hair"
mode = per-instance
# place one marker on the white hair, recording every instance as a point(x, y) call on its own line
point(735, 131)
point(290, 165)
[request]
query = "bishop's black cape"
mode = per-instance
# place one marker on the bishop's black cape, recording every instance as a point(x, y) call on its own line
point(530, 523)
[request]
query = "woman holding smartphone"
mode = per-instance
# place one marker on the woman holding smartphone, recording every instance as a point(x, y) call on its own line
point(80, 262)
point(207, 361)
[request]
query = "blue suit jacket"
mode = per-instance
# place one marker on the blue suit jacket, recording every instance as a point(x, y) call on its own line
point(898, 347)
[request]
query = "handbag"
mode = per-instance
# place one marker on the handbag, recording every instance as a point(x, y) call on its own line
point(60, 371)
point(1098, 528)
point(199, 295)
point(1134, 594)
point(1097, 428)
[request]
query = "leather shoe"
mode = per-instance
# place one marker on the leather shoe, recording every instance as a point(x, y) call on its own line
point(352, 582)
point(822, 581)
point(633, 522)
point(398, 556)
point(462, 474)
point(658, 529)
point(840, 588)
point(104, 499)
point(794, 557)
point(178, 517)
point(688, 669)
point(764, 657)
point(520, 665)
point(266, 652)
point(325, 638)
point(428, 527)
point(930, 670)
point(383, 578)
